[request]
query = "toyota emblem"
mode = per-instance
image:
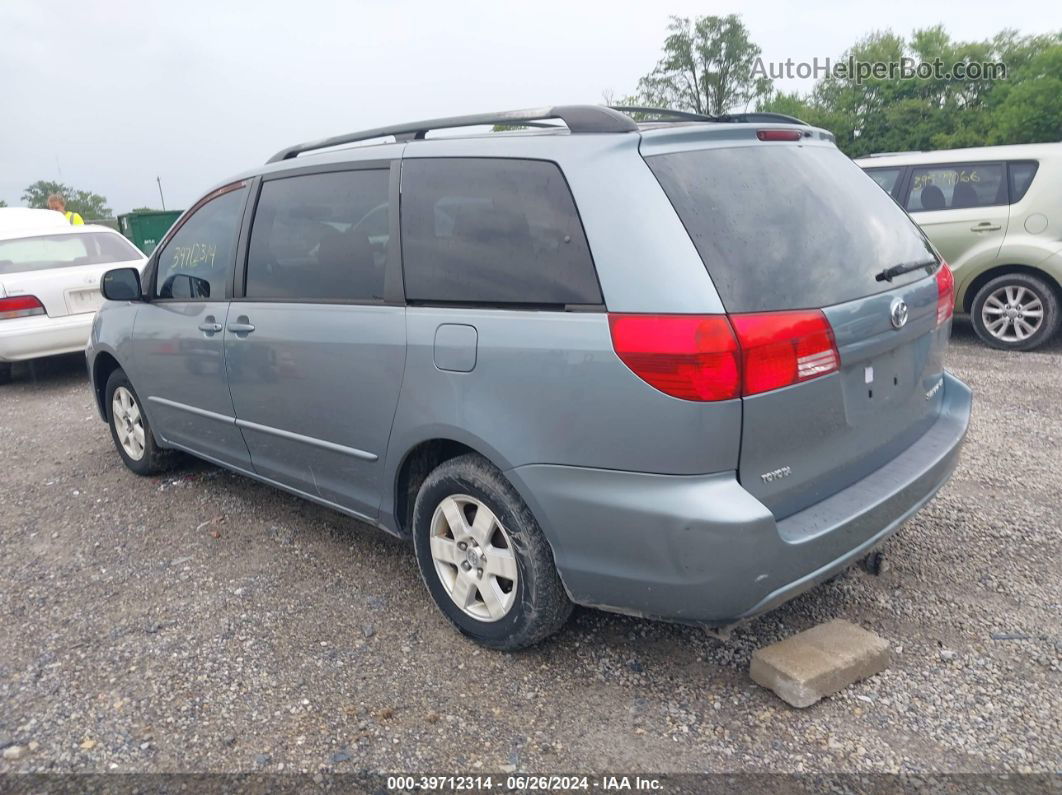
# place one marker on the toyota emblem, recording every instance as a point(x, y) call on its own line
point(898, 312)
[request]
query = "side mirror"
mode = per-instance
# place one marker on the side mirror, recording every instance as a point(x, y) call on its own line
point(183, 286)
point(121, 284)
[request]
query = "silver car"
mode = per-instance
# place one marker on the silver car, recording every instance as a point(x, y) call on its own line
point(683, 369)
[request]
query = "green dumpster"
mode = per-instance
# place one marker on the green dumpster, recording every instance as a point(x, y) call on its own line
point(146, 229)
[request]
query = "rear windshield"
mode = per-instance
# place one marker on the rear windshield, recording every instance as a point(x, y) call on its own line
point(788, 227)
point(63, 251)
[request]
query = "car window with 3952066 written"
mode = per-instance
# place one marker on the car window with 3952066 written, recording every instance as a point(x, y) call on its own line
point(954, 187)
point(196, 261)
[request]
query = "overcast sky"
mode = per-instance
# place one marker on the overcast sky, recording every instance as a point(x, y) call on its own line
point(107, 95)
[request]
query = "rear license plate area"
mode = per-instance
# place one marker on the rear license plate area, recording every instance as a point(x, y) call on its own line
point(79, 301)
point(876, 384)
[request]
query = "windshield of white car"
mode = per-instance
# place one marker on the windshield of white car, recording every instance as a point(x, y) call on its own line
point(44, 252)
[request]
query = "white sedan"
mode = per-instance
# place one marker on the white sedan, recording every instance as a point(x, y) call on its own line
point(50, 282)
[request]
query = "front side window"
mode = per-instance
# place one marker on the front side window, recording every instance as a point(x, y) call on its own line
point(321, 237)
point(45, 252)
point(494, 231)
point(196, 261)
point(956, 187)
point(885, 177)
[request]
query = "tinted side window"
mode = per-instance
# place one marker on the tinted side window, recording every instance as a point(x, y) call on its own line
point(955, 187)
point(493, 231)
point(1021, 177)
point(195, 262)
point(321, 237)
point(885, 177)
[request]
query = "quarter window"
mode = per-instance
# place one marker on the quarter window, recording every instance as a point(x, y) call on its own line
point(494, 231)
point(956, 187)
point(196, 262)
point(321, 237)
point(885, 177)
point(1021, 177)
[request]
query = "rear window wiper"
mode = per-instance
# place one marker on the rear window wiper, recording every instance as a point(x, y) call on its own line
point(889, 274)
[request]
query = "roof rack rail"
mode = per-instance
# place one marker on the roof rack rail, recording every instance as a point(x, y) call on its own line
point(665, 112)
point(578, 118)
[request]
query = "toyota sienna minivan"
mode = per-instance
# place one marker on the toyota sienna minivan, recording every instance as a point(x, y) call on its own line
point(683, 368)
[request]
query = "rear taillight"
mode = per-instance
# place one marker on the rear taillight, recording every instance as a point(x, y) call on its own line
point(20, 306)
point(783, 348)
point(719, 357)
point(945, 293)
point(693, 357)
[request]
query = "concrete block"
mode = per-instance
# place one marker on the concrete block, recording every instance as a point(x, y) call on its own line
point(819, 662)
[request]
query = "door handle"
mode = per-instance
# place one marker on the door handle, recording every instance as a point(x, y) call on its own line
point(210, 327)
point(241, 326)
point(985, 226)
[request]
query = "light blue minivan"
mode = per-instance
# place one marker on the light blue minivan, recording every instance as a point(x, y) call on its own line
point(682, 368)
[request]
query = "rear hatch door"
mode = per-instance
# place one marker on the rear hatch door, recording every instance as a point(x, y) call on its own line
point(786, 226)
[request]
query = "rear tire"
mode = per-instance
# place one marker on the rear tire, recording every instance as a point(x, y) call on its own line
point(131, 431)
point(5, 372)
point(484, 558)
point(1015, 312)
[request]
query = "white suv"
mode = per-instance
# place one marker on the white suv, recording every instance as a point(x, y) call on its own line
point(995, 214)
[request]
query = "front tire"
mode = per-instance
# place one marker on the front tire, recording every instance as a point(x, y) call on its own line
point(484, 558)
point(131, 431)
point(5, 372)
point(1016, 312)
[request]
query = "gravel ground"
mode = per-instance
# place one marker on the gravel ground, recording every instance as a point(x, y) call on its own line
point(203, 622)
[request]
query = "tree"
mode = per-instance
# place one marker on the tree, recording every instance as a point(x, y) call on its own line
point(85, 203)
point(707, 68)
point(3, 203)
point(893, 113)
point(1030, 108)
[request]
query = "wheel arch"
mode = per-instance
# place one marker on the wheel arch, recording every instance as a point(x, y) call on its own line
point(418, 460)
point(983, 278)
point(103, 365)
point(417, 463)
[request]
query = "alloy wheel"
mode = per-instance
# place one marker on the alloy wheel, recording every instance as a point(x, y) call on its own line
point(474, 558)
point(128, 423)
point(1013, 313)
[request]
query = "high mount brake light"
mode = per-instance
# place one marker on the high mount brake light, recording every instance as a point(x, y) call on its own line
point(720, 357)
point(945, 293)
point(779, 135)
point(20, 306)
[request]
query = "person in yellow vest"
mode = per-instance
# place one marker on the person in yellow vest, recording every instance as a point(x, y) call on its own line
point(58, 203)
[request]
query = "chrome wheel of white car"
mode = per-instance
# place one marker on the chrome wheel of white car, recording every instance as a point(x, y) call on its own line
point(128, 424)
point(474, 557)
point(1012, 313)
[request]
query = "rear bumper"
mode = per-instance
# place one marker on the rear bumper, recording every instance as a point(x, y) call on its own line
point(34, 337)
point(701, 549)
